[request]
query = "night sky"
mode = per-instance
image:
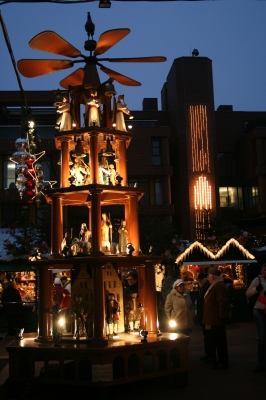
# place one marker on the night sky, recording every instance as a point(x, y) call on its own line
point(229, 32)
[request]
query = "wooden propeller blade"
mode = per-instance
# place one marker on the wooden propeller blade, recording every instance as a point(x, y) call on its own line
point(52, 43)
point(124, 80)
point(109, 39)
point(139, 59)
point(32, 68)
point(74, 79)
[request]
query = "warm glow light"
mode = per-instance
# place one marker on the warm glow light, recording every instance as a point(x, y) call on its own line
point(202, 194)
point(31, 124)
point(61, 322)
point(221, 252)
point(189, 250)
point(173, 336)
point(236, 244)
point(172, 323)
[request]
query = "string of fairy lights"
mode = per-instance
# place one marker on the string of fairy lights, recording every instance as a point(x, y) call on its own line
point(200, 164)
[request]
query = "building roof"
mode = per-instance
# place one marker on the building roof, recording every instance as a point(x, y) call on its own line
point(35, 98)
point(231, 252)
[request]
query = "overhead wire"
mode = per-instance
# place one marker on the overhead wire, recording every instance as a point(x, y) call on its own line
point(23, 96)
point(24, 103)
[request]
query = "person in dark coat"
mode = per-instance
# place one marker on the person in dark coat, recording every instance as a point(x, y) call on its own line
point(231, 293)
point(12, 303)
point(208, 347)
point(215, 315)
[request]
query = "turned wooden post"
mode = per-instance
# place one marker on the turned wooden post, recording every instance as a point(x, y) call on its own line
point(57, 226)
point(45, 305)
point(150, 300)
point(64, 182)
point(99, 337)
point(122, 167)
point(134, 223)
point(94, 157)
point(96, 238)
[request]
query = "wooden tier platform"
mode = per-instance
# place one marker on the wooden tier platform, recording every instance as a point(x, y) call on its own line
point(85, 133)
point(81, 195)
point(124, 359)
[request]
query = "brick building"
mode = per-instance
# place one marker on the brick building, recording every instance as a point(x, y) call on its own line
point(222, 151)
point(194, 162)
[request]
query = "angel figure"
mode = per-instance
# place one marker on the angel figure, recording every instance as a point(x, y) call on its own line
point(64, 122)
point(93, 105)
point(121, 109)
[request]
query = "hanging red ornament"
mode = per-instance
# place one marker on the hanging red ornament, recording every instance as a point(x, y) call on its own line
point(30, 193)
point(29, 162)
point(29, 184)
point(30, 174)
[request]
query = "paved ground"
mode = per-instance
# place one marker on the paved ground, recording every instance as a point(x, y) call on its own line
point(238, 382)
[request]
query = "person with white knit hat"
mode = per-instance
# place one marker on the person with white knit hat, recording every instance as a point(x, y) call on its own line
point(179, 308)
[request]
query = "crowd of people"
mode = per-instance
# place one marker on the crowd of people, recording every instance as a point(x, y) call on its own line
point(212, 310)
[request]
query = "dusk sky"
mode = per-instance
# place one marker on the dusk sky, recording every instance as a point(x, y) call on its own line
point(229, 32)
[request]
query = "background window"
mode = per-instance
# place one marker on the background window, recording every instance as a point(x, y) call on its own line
point(231, 197)
point(251, 196)
point(153, 190)
point(9, 174)
point(143, 183)
point(156, 152)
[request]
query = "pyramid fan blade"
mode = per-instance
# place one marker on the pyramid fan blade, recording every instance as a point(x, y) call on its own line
point(74, 79)
point(32, 68)
point(139, 59)
point(109, 39)
point(124, 80)
point(52, 43)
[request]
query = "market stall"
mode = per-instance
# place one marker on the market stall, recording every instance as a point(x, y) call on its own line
point(234, 262)
point(23, 276)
